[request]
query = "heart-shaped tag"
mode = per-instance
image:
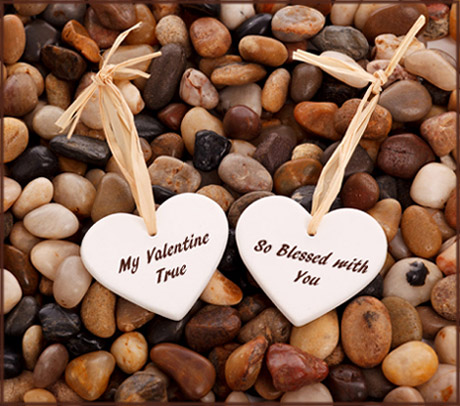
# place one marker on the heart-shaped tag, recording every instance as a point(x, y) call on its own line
point(165, 273)
point(306, 276)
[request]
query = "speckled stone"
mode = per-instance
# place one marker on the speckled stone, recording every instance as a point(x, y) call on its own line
point(443, 297)
point(295, 23)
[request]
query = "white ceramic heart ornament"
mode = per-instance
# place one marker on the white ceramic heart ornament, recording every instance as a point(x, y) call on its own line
point(305, 276)
point(165, 273)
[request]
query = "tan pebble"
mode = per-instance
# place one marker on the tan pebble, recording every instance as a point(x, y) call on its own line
point(20, 95)
point(336, 357)
point(307, 150)
point(74, 192)
point(39, 396)
point(171, 29)
point(145, 34)
point(319, 337)
point(46, 256)
point(420, 232)
point(130, 351)
point(32, 71)
point(316, 392)
point(210, 37)
point(387, 212)
point(264, 50)
point(445, 345)
point(444, 297)
point(98, 311)
point(12, 291)
point(94, 176)
point(132, 96)
point(11, 192)
point(32, 345)
point(440, 219)
point(404, 394)
point(22, 239)
point(77, 36)
point(446, 260)
point(71, 165)
point(15, 138)
point(131, 316)
point(58, 92)
point(264, 385)
point(44, 122)
point(242, 147)
point(442, 387)
point(411, 364)
point(207, 65)
point(219, 194)
point(275, 90)
point(14, 39)
point(63, 392)
point(237, 397)
point(15, 388)
point(36, 193)
point(30, 9)
point(221, 291)
point(237, 74)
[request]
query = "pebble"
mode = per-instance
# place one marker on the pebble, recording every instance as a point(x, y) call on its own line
point(210, 37)
point(85, 149)
point(15, 388)
point(39, 396)
point(292, 368)
point(12, 364)
point(237, 397)
point(376, 383)
point(142, 386)
point(244, 174)
point(50, 365)
point(165, 75)
point(443, 297)
point(71, 282)
point(360, 191)
point(112, 195)
point(252, 305)
point(307, 150)
point(20, 95)
point(239, 205)
point(104, 37)
point(405, 321)
point(58, 14)
point(431, 321)
point(447, 260)
point(343, 14)
point(88, 375)
point(77, 36)
point(12, 291)
point(130, 352)
point(347, 40)
point(264, 385)
point(304, 196)
point(432, 66)
point(46, 256)
point(63, 392)
point(30, 9)
point(379, 124)
point(74, 192)
point(44, 121)
point(319, 337)
point(221, 291)
point(197, 119)
point(237, 74)
point(241, 123)
point(445, 345)
point(411, 364)
point(32, 345)
point(306, 81)
point(244, 364)
point(347, 383)
point(116, 16)
point(145, 34)
point(17, 262)
point(406, 100)
point(318, 118)
point(11, 192)
point(98, 311)
point(219, 194)
point(171, 29)
point(36, 193)
point(52, 221)
point(440, 132)
point(218, 357)
point(172, 115)
point(210, 149)
point(212, 326)
point(148, 127)
point(15, 138)
point(14, 38)
point(197, 90)
point(263, 50)
point(232, 15)
point(275, 90)
point(38, 34)
point(132, 96)
point(83, 343)
point(249, 95)
point(175, 175)
point(170, 144)
point(315, 392)
point(403, 155)
point(404, 394)
point(296, 23)
point(64, 63)
point(259, 24)
point(58, 324)
point(294, 174)
point(7, 224)
point(442, 387)
point(130, 316)
point(176, 361)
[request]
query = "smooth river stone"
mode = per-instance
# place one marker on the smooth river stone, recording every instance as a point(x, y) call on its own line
point(446, 346)
point(130, 351)
point(71, 282)
point(98, 311)
point(319, 337)
point(50, 365)
point(306, 80)
point(36, 193)
point(406, 100)
point(15, 138)
point(232, 15)
point(411, 364)
point(141, 387)
point(219, 194)
point(221, 291)
point(51, 221)
point(433, 185)
point(174, 174)
point(263, 50)
point(411, 279)
point(343, 14)
point(440, 132)
point(130, 316)
point(420, 232)
point(244, 174)
point(178, 361)
point(89, 374)
point(12, 291)
point(39, 396)
point(244, 364)
point(296, 23)
point(347, 383)
point(269, 322)
point(17, 262)
point(20, 95)
point(432, 66)
point(294, 174)
point(14, 38)
point(46, 256)
point(210, 37)
point(32, 345)
point(237, 74)
point(404, 394)
point(366, 331)
point(74, 192)
point(443, 297)
point(44, 122)
point(442, 387)
point(318, 118)
point(22, 239)
point(315, 392)
point(197, 90)
point(64, 63)
point(15, 388)
point(11, 192)
point(58, 324)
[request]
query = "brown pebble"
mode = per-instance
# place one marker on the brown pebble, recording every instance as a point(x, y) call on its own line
point(444, 297)
point(170, 144)
point(116, 16)
point(15, 388)
point(432, 322)
point(19, 95)
point(76, 35)
point(130, 316)
point(318, 118)
point(50, 365)
point(172, 115)
point(450, 210)
point(210, 37)
point(14, 38)
point(264, 50)
point(293, 174)
point(219, 194)
point(275, 90)
point(237, 74)
point(239, 205)
point(360, 191)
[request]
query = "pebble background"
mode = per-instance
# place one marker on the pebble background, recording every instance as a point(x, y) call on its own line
point(227, 113)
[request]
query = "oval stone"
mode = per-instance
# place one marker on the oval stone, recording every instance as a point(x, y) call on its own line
point(14, 38)
point(20, 95)
point(74, 192)
point(50, 365)
point(263, 50)
point(443, 297)
point(130, 352)
point(296, 23)
point(442, 387)
point(210, 37)
point(318, 118)
point(306, 80)
point(294, 174)
point(15, 138)
point(445, 345)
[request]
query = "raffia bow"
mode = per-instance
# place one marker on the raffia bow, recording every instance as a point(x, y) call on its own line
point(331, 178)
point(119, 128)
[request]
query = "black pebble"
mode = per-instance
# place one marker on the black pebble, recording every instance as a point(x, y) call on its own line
point(58, 14)
point(403, 186)
point(58, 324)
point(440, 97)
point(259, 24)
point(12, 361)
point(417, 274)
point(7, 224)
point(21, 317)
point(375, 288)
point(148, 127)
point(210, 9)
point(335, 91)
point(38, 34)
point(304, 196)
point(161, 194)
point(360, 160)
point(33, 163)
point(388, 187)
point(231, 259)
point(84, 149)
point(83, 343)
point(210, 149)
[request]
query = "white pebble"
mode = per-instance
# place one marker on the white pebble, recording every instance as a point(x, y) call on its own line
point(232, 15)
point(44, 122)
point(343, 14)
point(12, 291)
point(36, 193)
